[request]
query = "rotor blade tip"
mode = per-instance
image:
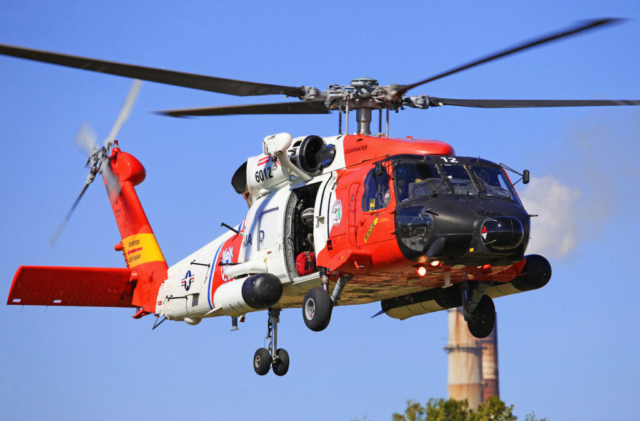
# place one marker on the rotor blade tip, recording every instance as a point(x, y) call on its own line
point(170, 114)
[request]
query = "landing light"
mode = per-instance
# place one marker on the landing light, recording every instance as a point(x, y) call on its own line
point(436, 263)
point(421, 271)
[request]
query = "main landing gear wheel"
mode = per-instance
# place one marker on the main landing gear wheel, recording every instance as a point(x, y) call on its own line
point(483, 319)
point(262, 361)
point(281, 363)
point(316, 309)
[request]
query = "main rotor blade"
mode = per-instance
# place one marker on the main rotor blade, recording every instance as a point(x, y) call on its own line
point(307, 107)
point(529, 103)
point(63, 224)
point(187, 80)
point(588, 25)
point(124, 113)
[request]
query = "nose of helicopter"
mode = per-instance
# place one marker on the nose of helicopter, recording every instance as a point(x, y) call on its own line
point(502, 233)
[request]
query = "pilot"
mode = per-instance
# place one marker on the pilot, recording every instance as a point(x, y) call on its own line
point(407, 175)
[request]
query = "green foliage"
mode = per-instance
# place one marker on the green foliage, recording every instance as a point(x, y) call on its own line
point(435, 410)
point(447, 410)
point(532, 417)
point(493, 409)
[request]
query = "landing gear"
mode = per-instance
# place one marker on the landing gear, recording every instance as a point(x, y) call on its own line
point(481, 323)
point(479, 311)
point(262, 361)
point(264, 358)
point(281, 364)
point(316, 309)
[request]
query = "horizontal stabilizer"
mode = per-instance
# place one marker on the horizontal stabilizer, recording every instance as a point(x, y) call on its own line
point(71, 286)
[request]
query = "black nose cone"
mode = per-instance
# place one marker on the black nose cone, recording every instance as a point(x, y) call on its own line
point(502, 233)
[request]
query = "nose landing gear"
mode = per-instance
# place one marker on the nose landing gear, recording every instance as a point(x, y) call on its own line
point(265, 358)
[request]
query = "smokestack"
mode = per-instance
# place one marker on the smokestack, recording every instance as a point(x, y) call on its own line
point(465, 361)
point(473, 362)
point(490, 376)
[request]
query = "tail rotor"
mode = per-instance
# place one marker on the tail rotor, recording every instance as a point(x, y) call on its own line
point(98, 159)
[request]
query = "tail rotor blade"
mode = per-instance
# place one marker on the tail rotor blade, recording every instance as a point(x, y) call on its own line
point(124, 113)
point(86, 139)
point(113, 184)
point(54, 238)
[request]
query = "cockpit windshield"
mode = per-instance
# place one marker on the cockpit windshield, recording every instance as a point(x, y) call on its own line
point(461, 176)
point(418, 180)
point(460, 179)
point(494, 183)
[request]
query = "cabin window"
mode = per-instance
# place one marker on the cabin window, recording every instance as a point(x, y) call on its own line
point(376, 191)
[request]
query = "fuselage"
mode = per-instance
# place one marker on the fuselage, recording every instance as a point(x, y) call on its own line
point(397, 216)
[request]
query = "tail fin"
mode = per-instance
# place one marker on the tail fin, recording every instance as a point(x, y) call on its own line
point(139, 245)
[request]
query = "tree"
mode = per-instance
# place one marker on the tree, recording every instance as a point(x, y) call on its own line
point(436, 410)
point(532, 417)
point(493, 409)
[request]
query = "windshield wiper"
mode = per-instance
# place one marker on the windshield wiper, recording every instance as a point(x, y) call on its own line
point(434, 193)
point(492, 188)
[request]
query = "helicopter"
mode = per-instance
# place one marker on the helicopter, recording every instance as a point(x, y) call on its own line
point(335, 220)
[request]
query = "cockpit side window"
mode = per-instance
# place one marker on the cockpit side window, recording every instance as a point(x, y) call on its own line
point(376, 191)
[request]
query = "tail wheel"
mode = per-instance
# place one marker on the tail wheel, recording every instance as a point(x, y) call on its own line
point(262, 361)
point(281, 364)
point(316, 309)
point(482, 322)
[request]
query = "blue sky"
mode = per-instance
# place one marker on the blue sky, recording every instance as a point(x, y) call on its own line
point(568, 351)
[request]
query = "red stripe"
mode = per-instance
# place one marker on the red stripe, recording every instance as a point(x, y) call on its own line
point(134, 250)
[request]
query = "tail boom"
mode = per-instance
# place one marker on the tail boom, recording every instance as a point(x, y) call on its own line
point(139, 245)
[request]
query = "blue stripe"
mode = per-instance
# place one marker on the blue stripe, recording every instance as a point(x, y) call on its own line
point(214, 265)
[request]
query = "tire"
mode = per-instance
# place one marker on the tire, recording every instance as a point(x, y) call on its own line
point(316, 309)
point(262, 361)
point(481, 324)
point(281, 365)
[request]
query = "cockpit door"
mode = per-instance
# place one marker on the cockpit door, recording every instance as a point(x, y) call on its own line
point(376, 203)
point(355, 214)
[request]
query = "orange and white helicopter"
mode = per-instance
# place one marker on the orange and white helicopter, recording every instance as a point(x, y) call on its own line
point(346, 219)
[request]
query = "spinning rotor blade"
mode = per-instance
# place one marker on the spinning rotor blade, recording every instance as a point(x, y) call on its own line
point(307, 107)
point(63, 224)
point(591, 24)
point(187, 80)
point(529, 103)
point(113, 184)
point(85, 139)
point(99, 161)
point(124, 113)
